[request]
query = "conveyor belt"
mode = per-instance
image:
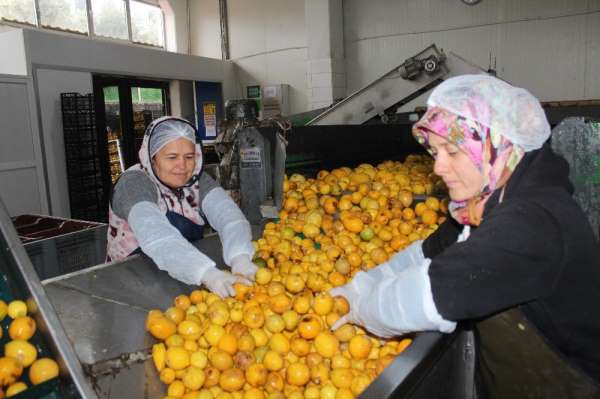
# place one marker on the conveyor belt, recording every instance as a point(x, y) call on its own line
point(103, 311)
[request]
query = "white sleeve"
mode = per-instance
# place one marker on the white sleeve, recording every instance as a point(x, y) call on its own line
point(401, 304)
point(165, 245)
point(411, 256)
point(231, 224)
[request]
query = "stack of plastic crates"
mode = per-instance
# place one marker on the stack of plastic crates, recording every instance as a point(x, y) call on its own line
point(84, 170)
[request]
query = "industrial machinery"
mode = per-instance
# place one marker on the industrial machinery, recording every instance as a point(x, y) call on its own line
point(371, 125)
point(401, 90)
point(248, 158)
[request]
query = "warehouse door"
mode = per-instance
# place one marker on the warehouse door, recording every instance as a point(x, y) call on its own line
point(124, 108)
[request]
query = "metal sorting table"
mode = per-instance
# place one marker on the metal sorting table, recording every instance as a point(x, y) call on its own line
point(103, 311)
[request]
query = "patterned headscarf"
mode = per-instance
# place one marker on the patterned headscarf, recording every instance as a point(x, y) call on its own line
point(495, 156)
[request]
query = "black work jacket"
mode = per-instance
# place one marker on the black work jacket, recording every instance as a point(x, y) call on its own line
point(534, 250)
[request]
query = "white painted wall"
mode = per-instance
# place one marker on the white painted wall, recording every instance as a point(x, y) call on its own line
point(6, 28)
point(13, 60)
point(205, 28)
point(551, 47)
point(176, 25)
point(50, 84)
point(71, 52)
point(268, 44)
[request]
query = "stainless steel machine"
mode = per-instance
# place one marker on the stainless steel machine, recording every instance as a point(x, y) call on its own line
point(250, 159)
point(401, 90)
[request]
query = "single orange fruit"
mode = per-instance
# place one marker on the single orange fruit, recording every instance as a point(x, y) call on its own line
point(256, 375)
point(22, 328)
point(359, 347)
point(429, 217)
point(183, 302)
point(309, 327)
point(232, 380)
point(297, 374)
point(161, 327)
point(42, 370)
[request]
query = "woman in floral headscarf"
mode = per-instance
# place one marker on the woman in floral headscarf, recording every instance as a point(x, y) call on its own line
point(160, 206)
point(518, 255)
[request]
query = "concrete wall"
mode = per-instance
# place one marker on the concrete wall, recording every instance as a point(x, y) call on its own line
point(551, 47)
point(268, 44)
point(205, 28)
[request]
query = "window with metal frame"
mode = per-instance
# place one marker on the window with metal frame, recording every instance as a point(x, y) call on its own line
point(109, 18)
point(137, 21)
point(65, 15)
point(20, 11)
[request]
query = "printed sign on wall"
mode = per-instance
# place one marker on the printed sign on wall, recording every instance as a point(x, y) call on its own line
point(209, 110)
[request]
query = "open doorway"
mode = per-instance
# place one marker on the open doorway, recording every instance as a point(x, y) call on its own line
point(124, 107)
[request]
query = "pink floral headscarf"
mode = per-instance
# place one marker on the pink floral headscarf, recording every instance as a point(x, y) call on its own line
point(493, 154)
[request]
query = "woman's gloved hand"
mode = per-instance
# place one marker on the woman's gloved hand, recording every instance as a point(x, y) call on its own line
point(356, 293)
point(243, 265)
point(391, 305)
point(220, 282)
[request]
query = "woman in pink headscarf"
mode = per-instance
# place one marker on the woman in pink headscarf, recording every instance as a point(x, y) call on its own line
point(518, 255)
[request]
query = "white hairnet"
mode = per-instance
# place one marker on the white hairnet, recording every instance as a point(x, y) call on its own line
point(168, 130)
point(513, 112)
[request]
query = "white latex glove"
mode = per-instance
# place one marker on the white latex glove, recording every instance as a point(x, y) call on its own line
point(220, 282)
point(393, 306)
point(243, 265)
point(356, 292)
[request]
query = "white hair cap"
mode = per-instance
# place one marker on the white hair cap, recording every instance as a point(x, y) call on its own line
point(168, 130)
point(513, 112)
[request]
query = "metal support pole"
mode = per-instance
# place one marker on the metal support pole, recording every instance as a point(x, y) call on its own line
point(224, 29)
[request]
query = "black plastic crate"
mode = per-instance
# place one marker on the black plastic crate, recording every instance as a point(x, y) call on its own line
point(84, 174)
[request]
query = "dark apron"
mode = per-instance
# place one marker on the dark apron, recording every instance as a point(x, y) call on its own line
point(190, 230)
point(516, 363)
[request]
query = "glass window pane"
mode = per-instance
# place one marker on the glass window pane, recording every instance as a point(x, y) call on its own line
point(148, 105)
point(18, 10)
point(110, 18)
point(67, 15)
point(146, 95)
point(146, 24)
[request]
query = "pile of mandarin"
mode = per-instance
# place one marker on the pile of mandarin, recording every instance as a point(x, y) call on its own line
point(273, 339)
point(20, 356)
